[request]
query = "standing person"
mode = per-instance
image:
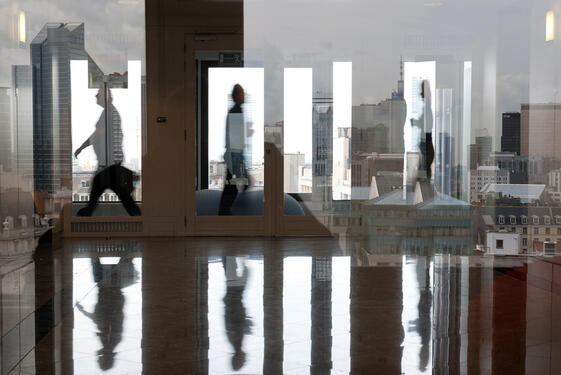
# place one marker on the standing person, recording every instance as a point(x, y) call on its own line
point(114, 177)
point(236, 134)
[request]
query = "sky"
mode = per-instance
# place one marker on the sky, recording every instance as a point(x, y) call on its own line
point(374, 34)
point(114, 30)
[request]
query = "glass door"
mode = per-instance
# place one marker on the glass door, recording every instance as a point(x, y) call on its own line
point(239, 169)
point(225, 139)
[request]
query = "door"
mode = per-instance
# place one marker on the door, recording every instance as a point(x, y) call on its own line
point(234, 162)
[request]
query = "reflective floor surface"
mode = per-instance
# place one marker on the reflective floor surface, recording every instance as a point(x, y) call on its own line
point(293, 306)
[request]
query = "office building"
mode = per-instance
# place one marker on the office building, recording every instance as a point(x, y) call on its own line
point(510, 139)
point(241, 187)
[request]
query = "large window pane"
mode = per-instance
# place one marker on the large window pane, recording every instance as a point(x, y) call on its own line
point(73, 74)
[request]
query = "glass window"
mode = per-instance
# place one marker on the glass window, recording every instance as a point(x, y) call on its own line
point(75, 75)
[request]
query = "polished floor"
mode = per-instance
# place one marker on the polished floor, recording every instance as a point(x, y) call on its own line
point(260, 306)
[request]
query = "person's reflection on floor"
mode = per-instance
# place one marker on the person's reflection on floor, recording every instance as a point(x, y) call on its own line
point(110, 173)
point(236, 320)
point(423, 323)
point(236, 135)
point(108, 314)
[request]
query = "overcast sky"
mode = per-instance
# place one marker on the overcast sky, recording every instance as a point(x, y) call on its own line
point(373, 34)
point(114, 30)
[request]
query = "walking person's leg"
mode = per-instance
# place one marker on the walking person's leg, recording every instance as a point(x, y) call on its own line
point(100, 182)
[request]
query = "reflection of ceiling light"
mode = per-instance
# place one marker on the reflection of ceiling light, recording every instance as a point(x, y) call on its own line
point(549, 26)
point(21, 27)
point(434, 4)
point(109, 260)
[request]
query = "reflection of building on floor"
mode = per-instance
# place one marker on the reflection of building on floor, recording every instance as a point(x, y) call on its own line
point(320, 335)
point(423, 223)
point(535, 226)
point(484, 175)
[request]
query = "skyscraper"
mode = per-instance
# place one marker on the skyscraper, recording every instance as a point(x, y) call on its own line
point(540, 130)
point(510, 140)
point(322, 146)
point(51, 52)
point(23, 118)
point(484, 146)
point(379, 127)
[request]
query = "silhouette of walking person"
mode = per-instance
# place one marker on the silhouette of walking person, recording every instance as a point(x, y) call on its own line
point(236, 134)
point(108, 314)
point(113, 177)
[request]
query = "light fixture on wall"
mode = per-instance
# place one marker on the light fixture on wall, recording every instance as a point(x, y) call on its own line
point(549, 26)
point(21, 27)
